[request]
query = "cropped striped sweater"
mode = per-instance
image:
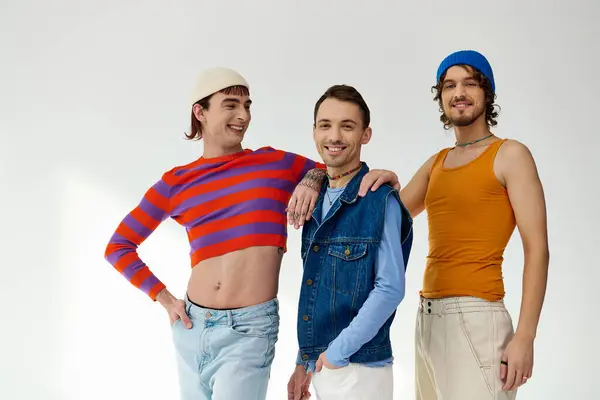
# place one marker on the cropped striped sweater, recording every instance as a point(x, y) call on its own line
point(225, 203)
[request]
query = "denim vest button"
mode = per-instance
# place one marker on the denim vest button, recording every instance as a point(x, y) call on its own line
point(316, 248)
point(208, 314)
point(305, 357)
point(305, 317)
point(309, 282)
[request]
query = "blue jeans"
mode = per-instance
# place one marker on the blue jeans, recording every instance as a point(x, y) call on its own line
point(227, 354)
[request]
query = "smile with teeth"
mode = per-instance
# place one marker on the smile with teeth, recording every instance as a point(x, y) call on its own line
point(461, 106)
point(238, 128)
point(332, 149)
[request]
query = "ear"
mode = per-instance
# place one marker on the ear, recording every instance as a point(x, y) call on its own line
point(366, 136)
point(199, 112)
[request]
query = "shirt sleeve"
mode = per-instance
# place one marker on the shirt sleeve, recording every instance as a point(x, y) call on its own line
point(138, 224)
point(388, 291)
point(302, 165)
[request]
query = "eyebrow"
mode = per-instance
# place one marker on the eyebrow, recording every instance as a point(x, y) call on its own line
point(235, 100)
point(469, 78)
point(343, 121)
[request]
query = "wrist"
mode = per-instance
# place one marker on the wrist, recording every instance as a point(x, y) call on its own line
point(525, 334)
point(334, 358)
point(165, 298)
point(314, 179)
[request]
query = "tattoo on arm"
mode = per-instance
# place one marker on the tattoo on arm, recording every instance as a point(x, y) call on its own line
point(314, 179)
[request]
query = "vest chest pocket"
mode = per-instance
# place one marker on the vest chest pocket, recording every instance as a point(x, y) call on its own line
point(346, 269)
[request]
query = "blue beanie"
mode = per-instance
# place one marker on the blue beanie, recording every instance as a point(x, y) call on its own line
point(471, 58)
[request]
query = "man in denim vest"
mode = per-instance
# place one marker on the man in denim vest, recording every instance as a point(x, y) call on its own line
point(355, 250)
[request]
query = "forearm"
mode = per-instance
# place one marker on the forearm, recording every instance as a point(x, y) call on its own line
point(535, 277)
point(373, 314)
point(165, 298)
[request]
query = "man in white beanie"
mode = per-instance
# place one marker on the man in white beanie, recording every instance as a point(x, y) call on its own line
point(232, 202)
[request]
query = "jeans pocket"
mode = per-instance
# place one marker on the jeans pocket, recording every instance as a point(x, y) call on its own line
point(260, 326)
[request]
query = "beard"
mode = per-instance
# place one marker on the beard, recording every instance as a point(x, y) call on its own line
point(465, 119)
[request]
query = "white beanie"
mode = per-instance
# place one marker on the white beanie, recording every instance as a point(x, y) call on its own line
point(212, 80)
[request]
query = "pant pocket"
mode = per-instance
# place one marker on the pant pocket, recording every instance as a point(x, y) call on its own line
point(261, 326)
point(479, 331)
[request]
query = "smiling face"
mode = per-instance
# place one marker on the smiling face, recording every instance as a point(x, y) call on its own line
point(339, 132)
point(462, 98)
point(225, 119)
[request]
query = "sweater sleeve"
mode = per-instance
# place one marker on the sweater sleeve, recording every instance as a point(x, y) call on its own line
point(138, 224)
point(302, 165)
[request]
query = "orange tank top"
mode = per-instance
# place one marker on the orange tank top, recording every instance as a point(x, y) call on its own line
point(470, 223)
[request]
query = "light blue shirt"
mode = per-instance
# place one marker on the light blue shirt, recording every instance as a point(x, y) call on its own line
point(383, 300)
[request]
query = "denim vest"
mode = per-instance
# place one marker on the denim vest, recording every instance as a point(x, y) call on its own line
point(338, 257)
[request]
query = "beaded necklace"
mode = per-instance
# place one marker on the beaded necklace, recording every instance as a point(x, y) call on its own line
point(473, 141)
point(333, 178)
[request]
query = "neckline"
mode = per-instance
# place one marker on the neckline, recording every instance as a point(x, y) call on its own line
point(226, 157)
point(448, 169)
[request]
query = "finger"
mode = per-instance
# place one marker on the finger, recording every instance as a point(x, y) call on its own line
point(377, 183)
point(518, 380)
point(510, 377)
point(291, 386)
point(307, 380)
point(298, 389)
point(366, 183)
point(303, 211)
point(311, 208)
point(319, 365)
point(503, 371)
point(185, 319)
point(397, 186)
point(291, 209)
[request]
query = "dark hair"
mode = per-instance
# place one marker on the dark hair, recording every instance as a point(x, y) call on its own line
point(349, 94)
point(195, 125)
point(490, 108)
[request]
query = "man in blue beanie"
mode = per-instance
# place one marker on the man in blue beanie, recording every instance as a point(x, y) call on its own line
point(475, 194)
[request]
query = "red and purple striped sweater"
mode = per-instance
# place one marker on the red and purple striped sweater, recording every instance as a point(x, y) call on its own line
point(225, 203)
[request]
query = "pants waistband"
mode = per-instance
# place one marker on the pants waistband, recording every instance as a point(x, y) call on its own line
point(456, 305)
point(266, 308)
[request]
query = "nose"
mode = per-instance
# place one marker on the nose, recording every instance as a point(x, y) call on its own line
point(460, 90)
point(243, 114)
point(335, 134)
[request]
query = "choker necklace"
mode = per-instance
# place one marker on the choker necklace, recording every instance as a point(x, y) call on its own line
point(473, 141)
point(333, 178)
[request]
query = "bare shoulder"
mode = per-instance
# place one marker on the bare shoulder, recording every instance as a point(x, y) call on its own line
point(514, 149)
point(514, 157)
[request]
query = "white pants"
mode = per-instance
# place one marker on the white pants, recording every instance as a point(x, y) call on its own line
point(458, 345)
point(354, 382)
